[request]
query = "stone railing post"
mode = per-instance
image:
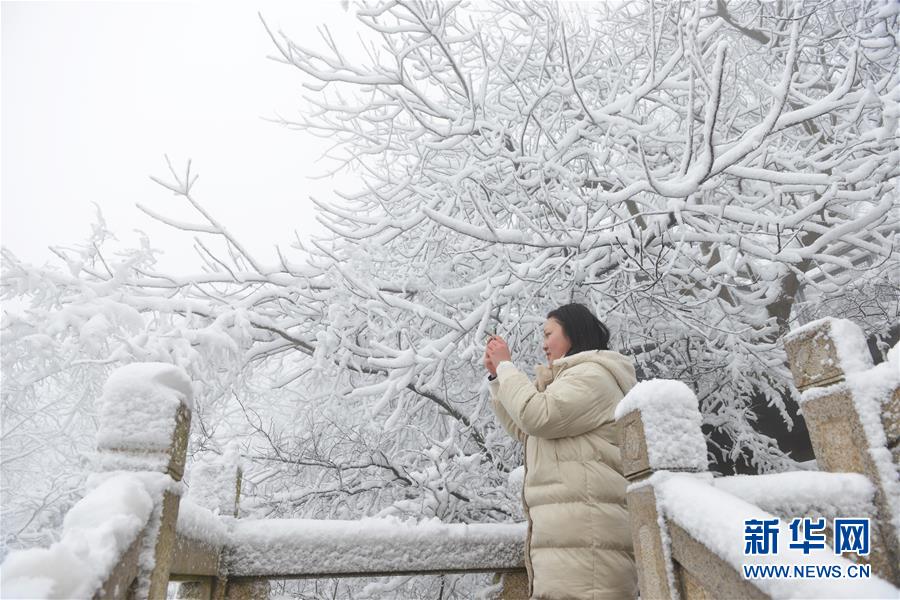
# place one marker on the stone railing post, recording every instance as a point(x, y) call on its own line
point(659, 425)
point(216, 486)
point(852, 411)
point(515, 585)
point(144, 428)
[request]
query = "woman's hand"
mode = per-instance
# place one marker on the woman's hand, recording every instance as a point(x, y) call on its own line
point(489, 365)
point(496, 352)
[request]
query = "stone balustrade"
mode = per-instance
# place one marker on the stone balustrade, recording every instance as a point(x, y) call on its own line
point(852, 414)
point(851, 409)
point(192, 540)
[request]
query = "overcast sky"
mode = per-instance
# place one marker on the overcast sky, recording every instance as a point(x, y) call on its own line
point(94, 94)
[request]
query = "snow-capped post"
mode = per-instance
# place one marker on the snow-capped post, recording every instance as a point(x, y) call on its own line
point(213, 498)
point(145, 417)
point(659, 430)
point(215, 483)
point(852, 410)
point(229, 501)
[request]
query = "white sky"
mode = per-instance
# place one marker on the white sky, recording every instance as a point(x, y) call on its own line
point(94, 94)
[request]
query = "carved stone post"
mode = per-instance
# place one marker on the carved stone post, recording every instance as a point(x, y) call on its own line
point(144, 427)
point(649, 409)
point(851, 431)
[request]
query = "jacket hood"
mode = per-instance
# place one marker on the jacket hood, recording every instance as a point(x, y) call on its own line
point(619, 366)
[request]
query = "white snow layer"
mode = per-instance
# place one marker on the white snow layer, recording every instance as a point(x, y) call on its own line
point(96, 532)
point(871, 391)
point(278, 546)
point(201, 524)
point(212, 482)
point(138, 407)
point(804, 493)
point(671, 421)
point(716, 519)
point(849, 342)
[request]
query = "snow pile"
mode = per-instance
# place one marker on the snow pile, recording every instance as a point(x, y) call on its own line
point(716, 519)
point(201, 524)
point(137, 412)
point(804, 493)
point(212, 489)
point(671, 423)
point(96, 532)
point(372, 545)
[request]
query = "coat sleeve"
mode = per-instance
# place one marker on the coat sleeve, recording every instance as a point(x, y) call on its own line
point(508, 424)
point(581, 399)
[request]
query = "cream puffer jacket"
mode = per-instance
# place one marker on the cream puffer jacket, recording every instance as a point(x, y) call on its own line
point(579, 539)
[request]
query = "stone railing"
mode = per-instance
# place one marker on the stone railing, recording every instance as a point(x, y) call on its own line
point(681, 515)
point(852, 410)
point(151, 535)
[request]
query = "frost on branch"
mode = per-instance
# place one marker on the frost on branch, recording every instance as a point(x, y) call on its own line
point(701, 176)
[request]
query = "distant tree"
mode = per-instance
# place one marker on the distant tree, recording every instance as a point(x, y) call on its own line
point(704, 175)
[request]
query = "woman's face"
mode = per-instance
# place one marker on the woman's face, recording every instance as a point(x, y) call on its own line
point(556, 343)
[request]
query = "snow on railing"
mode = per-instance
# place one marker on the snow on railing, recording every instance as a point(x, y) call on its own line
point(116, 539)
point(704, 522)
point(852, 411)
point(133, 531)
point(98, 532)
point(280, 548)
point(203, 529)
point(688, 527)
point(807, 493)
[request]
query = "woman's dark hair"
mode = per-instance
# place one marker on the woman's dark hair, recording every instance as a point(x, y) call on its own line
point(583, 329)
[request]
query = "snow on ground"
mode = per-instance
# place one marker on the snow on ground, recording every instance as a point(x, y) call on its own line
point(671, 421)
point(273, 546)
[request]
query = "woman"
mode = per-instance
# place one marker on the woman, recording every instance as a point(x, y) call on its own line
point(579, 540)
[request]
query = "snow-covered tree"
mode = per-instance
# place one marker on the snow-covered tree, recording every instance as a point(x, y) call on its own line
point(702, 174)
point(687, 169)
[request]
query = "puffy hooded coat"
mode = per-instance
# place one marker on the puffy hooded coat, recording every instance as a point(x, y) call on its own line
point(579, 540)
